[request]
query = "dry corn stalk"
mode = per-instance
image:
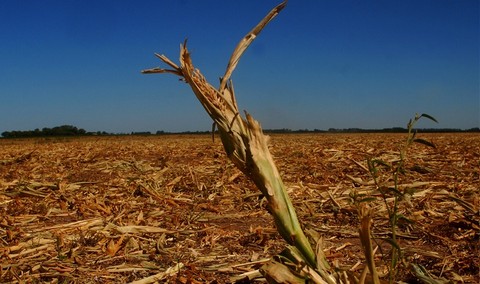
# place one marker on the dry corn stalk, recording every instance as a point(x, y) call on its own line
point(244, 141)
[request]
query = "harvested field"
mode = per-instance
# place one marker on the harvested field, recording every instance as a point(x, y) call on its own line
point(127, 208)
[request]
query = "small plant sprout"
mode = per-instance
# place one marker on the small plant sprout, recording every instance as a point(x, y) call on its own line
point(391, 195)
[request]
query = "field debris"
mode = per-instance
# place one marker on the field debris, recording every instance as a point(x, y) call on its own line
point(172, 208)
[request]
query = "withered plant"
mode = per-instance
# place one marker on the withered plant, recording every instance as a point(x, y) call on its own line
point(247, 147)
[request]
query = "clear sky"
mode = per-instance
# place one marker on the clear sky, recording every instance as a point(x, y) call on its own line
point(318, 65)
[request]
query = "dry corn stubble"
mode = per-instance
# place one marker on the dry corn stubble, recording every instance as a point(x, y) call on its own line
point(62, 232)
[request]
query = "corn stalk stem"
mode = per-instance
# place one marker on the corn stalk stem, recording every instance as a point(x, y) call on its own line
point(243, 139)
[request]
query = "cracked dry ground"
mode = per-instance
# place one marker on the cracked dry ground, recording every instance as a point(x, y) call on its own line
point(121, 209)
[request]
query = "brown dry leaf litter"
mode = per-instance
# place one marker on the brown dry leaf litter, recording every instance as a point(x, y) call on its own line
point(173, 209)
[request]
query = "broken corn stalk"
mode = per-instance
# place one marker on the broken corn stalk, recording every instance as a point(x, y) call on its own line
point(244, 142)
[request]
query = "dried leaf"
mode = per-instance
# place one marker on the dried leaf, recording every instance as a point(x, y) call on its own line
point(114, 246)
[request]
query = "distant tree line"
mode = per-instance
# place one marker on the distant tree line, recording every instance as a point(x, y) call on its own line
point(69, 130)
point(401, 130)
point(64, 130)
point(332, 130)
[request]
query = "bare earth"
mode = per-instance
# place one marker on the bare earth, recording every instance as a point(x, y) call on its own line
point(121, 209)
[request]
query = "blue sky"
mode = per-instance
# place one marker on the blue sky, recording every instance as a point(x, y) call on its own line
point(318, 65)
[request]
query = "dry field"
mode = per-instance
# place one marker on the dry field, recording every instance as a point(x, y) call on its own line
point(123, 209)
